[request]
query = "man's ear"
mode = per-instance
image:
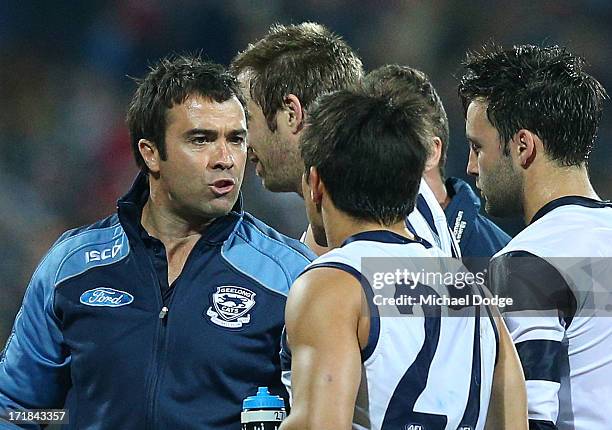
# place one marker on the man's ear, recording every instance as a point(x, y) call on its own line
point(293, 113)
point(150, 154)
point(316, 186)
point(435, 153)
point(525, 146)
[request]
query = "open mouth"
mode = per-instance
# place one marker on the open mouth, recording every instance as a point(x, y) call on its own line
point(222, 187)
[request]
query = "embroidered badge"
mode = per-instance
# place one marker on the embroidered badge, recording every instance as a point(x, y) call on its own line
point(230, 306)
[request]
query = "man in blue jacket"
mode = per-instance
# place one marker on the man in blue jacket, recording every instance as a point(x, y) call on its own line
point(477, 235)
point(168, 313)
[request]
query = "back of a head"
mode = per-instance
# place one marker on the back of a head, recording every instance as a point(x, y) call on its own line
point(542, 89)
point(169, 82)
point(370, 153)
point(406, 84)
point(306, 60)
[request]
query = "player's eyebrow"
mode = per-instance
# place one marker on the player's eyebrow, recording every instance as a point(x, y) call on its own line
point(239, 132)
point(472, 141)
point(210, 134)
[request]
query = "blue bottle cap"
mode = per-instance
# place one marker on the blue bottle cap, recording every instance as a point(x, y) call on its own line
point(263, 400)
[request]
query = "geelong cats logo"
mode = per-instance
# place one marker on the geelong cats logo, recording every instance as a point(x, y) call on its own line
point(230, 306)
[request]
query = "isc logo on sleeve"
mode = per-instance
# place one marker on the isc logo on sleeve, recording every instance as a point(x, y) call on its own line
point(104, 254)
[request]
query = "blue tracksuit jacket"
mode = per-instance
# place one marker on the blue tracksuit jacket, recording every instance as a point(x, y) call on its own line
point(93, 335)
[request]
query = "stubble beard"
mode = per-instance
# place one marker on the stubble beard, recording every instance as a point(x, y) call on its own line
point(283, 173)
point(503, 191)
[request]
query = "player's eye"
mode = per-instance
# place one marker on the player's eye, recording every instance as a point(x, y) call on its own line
point(238, 140)
point(200, 140)
point(474, 147)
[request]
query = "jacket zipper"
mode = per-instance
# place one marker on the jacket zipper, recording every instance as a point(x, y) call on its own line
point(159, 349)
point(161, 341)
point(160, 352)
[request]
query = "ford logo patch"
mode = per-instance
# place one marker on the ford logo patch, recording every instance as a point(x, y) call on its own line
point(104, 296)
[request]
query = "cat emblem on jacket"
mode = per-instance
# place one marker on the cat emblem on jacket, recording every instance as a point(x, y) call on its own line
point(230, 306)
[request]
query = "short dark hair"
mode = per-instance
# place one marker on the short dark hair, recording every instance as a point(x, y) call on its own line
point(306, 60)
point(403, 83)
point(542, 89)
point(169, 82)
point(370, 153)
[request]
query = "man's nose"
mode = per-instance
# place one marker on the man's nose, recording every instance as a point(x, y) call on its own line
point(223, 158)
point(472, 165)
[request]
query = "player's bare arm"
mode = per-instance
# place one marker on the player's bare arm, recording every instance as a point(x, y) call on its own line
point(508, 405)
point(323, 314)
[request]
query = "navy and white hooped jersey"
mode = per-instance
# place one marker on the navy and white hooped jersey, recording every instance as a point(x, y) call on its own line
point(429, 370)
point(563, 340)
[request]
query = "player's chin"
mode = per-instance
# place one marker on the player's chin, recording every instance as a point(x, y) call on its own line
point(267, 182)
point(219, 206)
point(496, 209)
point(275, 185)
point(321, 239)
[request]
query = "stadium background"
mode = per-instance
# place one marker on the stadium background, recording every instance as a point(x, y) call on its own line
point(64, 88)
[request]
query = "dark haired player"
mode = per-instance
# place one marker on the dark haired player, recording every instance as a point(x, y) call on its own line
point(532, 115)
point(353, 366)
point(168, 313)
point(477, 235)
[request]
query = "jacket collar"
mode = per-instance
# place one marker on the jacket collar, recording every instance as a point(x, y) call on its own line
point(462, 197)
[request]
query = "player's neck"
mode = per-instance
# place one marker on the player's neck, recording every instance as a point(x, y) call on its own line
point(552, 183)
point(339, 227)
point(436, 184)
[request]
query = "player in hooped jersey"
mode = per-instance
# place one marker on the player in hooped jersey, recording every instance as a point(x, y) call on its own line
point(282, 74)
point(476, 235)
point(532, 115)
point(350, 366)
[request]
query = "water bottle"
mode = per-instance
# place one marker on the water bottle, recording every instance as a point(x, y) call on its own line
point(262, 411)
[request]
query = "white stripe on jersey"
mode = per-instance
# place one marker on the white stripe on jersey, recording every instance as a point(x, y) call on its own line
point(444, 239)
point(397, 359)
point(543, 400)
point(577, 228)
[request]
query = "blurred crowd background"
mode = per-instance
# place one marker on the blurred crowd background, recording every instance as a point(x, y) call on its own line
point(65, 69)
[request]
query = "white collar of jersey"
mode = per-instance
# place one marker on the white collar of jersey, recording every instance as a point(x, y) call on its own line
point(385, 236)
point(569, 200)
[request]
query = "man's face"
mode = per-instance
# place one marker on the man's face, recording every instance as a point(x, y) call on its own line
point(277, 159)
point(500, 183)
point(206, 156)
